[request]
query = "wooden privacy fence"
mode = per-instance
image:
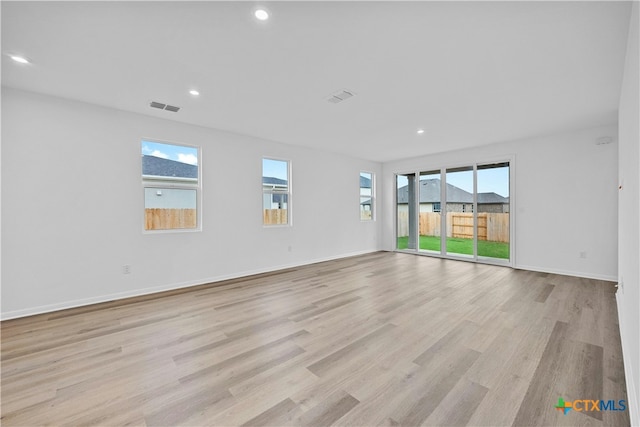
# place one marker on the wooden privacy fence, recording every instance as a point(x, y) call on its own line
point(491, 226)
point(365, 215)
point(168, 219)
point(275, 216)
point(497, 227)
point(462, 225)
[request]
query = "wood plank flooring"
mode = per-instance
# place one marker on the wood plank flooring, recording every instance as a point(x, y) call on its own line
point(380, 339)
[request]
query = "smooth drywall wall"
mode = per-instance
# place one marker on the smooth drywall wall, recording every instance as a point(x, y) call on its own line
point(564, 199)
point(73, 207)
point(628, 294)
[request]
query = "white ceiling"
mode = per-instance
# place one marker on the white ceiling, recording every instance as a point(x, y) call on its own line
point(469, 73)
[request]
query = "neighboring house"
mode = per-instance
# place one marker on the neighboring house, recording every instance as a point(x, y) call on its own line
point(158, 174)
point(270, 188)
point(458, 200)
point(492, 203)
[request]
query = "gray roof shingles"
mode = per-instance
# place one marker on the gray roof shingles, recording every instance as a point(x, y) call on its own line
point(157, 166)
point(273, 181)
point(492, 198)
point(430, 193)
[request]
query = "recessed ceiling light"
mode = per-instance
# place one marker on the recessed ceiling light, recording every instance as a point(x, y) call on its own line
point(20, 59)
point(261, 14)
point(420, 131)
point(194, 92)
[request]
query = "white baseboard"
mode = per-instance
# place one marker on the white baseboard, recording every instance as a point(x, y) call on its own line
point(632, 393)
point(568, 272)
point(169, 287)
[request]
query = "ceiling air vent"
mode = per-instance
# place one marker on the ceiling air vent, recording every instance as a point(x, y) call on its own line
point(340, 96)
point(161, 106)
point(172, 108)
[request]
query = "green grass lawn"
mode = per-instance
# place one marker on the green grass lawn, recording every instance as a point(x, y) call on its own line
point(461, 246)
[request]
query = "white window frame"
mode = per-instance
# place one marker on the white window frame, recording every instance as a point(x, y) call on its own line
point(373, 196)
point(163, 182)
point(288, 193)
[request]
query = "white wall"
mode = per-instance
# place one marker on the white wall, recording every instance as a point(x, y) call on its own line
point(73, 210)
point(565, 199)
point(629, 217)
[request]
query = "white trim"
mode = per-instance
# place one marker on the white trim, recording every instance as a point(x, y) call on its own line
point(567, 272)
point(512, 210)
point(152, 290)
point(170, 179)
point(632, 394)
point(474, 213)
point(443, 212)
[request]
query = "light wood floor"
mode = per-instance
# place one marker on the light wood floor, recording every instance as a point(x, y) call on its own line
point(380, 339)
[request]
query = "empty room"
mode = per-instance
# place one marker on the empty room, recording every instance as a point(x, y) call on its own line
point(320, 213)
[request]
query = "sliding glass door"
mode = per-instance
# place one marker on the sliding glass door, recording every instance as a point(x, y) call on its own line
point(493, 211)
point(430, 211)
point(461, 212)
point(460, 218)
point(406, 212)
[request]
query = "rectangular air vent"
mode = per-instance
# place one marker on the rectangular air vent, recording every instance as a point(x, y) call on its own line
point(161, 106)
point(157, 105)
point(340, 96)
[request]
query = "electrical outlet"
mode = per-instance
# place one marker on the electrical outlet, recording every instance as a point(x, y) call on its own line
point(126, 269)
point(583, 254)
point(290, 248)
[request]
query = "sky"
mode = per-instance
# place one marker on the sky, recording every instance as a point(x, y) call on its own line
point(274, 168)
point(495, 180)
point(179, 153)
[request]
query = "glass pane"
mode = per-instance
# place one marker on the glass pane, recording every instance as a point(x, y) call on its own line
point(407, 227)
point(459, 192)
point(366, 212)
point(365, 183)
point(430, 207)
point(170, 208)
point(275, 208)
point(275, 175)
point(169, 162)
point(275, 188)
point(493, 210)
point(366, 191)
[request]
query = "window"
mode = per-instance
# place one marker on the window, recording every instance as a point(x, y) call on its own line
point(276, 192)
point(171, 186)
point(460, 212)
point(367, 196)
